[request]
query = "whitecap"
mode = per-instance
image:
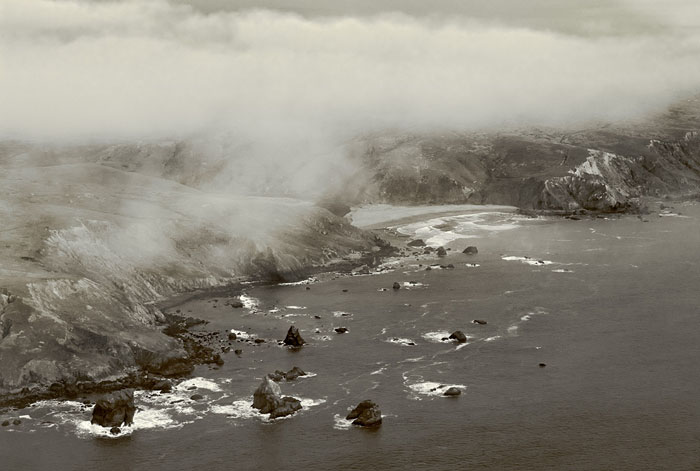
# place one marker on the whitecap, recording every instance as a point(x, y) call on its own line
point(436, 336)
point(401, 341)
point(249, 302)
point(341, 314)
point(340, 423)
point(199, 383)
point(431, 388)
point(295, 307)
point(242, 335)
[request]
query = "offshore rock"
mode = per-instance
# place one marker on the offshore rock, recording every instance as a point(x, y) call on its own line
point(268, 400)
point(294, 338)
point(115, 409)
point(459, 336)
point(471, 250)
point(441, 252)
point(366, 414)
point(452, 392)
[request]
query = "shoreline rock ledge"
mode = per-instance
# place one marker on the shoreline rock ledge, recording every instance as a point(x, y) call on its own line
point(366, 414)
point(115, 409)
point(268, 400)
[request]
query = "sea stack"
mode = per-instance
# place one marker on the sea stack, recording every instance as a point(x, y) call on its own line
point(115, 409)
point(294, 338)
point(366, 414)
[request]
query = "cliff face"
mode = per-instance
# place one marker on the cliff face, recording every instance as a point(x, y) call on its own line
point(602, 168)
point(86, 248)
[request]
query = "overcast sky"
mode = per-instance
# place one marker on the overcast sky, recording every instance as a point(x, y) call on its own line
point(274, 70)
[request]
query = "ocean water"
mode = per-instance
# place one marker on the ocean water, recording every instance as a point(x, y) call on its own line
point(611, 306)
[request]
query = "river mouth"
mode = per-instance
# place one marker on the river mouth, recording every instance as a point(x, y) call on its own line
point(607, 306)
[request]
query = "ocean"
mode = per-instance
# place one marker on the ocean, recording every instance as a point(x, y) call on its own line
point(610, 307)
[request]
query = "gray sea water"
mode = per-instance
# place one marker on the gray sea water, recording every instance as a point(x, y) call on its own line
point(611, 306)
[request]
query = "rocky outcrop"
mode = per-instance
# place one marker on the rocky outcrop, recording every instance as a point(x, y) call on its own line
point(115, 409)
point(471, 250)
point(366, 414)
point(268, 399)
point(459, 336)
point(294, 338)
point(290, 375)
point(452, 392)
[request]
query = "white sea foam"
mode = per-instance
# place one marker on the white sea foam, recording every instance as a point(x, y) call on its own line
point(242, 335)
point(341, 314)
point(339, 423)
point(527, 260)
point(472, 265)
point(430, 388)
point(379, 371)
point(401, 341)
point(199, 383)
point(307, 281)
point(491, 339)
point(240, 409)
point(562, 270)
point(436, 336)
point(295, 307)
point(249, 302)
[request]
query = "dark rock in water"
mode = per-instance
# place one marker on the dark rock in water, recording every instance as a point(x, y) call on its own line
point(236, 304)
point(196, 397)
point(396, 285)
point(317, 317)
point(428, 250)
point(259, 340)
point(416, 243)
point(294, 373)
point(345, 291)
point(441, 252)
point(163, 386)
point(268, 400)
point(115, 409)
point(115, 430)
point(288, 406)
point(293, 338)
point(366, 414)
point(341, 330)
point(479, 321)
point(428, 268)
point(459, 336)
point(452, 392)
point(6, 423)
point(471, 250)
point(542, 365)
point(238, 351)
point(218, 360)
point(16, 422)
point(308, 287)
point(232, 336)
point(277, 375)
point(449, 266)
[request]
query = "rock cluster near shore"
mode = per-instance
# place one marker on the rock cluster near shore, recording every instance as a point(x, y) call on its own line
point(268, 399)
point(115, 409)
point(366, 414)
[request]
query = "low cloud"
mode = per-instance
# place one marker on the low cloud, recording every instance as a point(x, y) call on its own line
point(289, 85)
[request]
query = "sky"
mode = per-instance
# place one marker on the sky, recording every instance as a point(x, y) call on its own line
point(306, 74)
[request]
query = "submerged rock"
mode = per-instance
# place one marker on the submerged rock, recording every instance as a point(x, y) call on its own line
point(366, 414)
point(479, 321)
point(232, 336)
point(294, 338)
point(294, 373)
point(5, 423)
point(459, 336)
point(416, 243)
point(452, 392)
point(115, 409)
point(268, 400)
point(341, 330)
point(441, 252)
point(396, 285)
point(471, 250)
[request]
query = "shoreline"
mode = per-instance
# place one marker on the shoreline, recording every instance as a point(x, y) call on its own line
point(142, 377)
